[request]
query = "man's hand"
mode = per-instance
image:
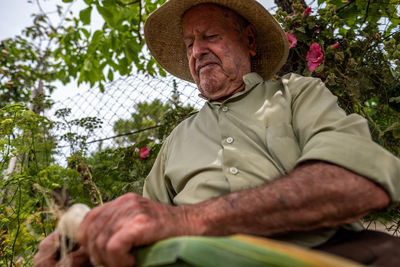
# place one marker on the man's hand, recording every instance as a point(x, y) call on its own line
point(109, 232)
point(49, 251)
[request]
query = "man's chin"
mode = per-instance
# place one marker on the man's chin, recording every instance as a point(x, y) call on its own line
point(210, 90)
point(212, 94)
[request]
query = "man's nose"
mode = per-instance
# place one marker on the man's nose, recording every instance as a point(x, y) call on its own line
point(200, 48)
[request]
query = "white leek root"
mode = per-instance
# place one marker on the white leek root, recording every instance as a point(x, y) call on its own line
point(67, 227)
point(70, 221)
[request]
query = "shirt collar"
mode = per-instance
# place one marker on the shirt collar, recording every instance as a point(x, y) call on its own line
point(250, 80)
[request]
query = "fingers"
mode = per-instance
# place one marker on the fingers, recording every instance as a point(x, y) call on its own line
point(101, 215)
point(103, 228)
point(120, 245)
point(109, 232)
point(78, 258)
point(47, 253)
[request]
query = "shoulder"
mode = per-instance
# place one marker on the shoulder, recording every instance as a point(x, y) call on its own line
point(296, 85)
point(186, 123)
point(181, 131)
point(293, 81)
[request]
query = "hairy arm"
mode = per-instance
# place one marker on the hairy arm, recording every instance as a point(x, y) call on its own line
point(314, 195)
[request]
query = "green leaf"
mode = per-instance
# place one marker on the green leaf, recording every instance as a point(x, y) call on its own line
point(131, 53)
point(107, 15)
point(101, 87)
point(87, 66)
point(301, 29)
point(110, 75)
point(97, 36)
point(85, 32)
point(123, 66)
point(233, 251)
point(67, 1)
point(84, 15)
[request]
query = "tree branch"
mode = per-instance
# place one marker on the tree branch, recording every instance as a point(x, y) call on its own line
point(345, 5)
point(366, 13)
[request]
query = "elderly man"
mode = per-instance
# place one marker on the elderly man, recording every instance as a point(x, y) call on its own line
point(275, 158)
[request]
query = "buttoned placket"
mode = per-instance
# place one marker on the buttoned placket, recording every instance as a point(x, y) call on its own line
point(228, 140)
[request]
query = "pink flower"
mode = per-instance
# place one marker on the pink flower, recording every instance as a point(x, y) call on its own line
point(314, 56)
point(292, 40)
point(334, 46)
point(307, 11)
point(144, 152)
point(137, 149)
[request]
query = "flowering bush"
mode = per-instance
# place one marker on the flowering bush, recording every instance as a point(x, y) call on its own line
point(346, 45)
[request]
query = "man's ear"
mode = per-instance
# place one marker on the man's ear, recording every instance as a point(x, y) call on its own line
point(251, 35)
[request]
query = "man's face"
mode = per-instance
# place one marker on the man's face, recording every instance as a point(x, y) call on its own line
point(217, 49)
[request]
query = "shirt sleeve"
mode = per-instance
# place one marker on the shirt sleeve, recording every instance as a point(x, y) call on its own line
point(325, 132)
point(156, 186)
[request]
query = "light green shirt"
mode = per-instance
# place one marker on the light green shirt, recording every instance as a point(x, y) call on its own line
point(260, 134)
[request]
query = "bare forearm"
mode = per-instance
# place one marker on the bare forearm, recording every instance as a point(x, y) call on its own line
point(313, 196)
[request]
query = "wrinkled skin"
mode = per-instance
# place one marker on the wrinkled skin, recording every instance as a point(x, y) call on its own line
point(109, 232)
point(217, 49)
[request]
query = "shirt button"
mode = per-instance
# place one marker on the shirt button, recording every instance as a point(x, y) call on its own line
point(233, 170)
point(225, 108)
point(229, 140)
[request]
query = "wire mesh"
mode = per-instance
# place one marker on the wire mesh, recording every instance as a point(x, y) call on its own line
point(118, 102)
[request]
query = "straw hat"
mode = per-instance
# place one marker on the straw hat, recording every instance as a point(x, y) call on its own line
point(163, 33)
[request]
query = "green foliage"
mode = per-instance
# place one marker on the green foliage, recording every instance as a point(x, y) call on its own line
point(118, 47)
point(23, 136)
point(361, 64)
point(29, 202)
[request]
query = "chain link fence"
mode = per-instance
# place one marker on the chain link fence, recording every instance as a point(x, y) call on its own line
point(117, 102)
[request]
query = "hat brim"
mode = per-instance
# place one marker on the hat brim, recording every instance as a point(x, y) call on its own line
point(163, 34)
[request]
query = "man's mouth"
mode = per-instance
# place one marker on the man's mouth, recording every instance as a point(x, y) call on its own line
point(206, 66)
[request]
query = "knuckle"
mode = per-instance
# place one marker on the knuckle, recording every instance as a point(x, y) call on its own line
point(99, 243)
point(131, 196)
point(113, 248)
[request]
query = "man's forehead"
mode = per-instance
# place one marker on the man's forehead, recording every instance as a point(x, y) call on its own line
point(209, 7)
